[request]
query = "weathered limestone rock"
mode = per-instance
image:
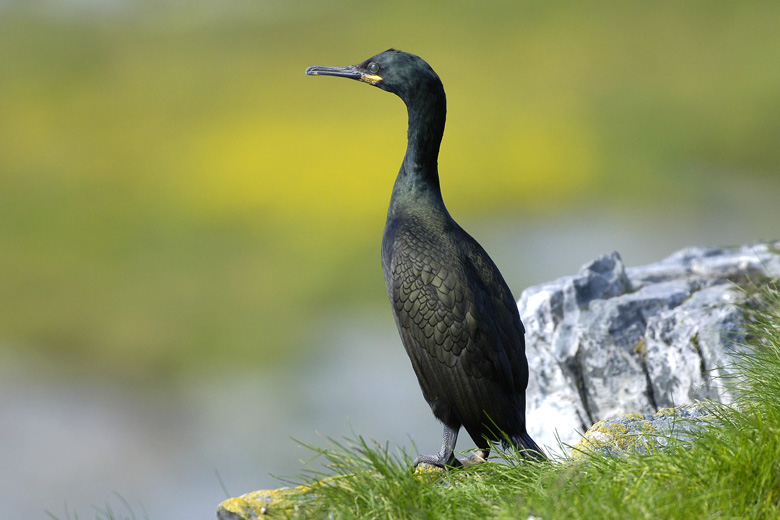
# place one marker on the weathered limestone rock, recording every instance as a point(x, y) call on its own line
point(643, 432)
point(613, 340)
point(684, 347)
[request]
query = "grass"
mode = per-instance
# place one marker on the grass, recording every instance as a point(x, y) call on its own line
point(730, 471)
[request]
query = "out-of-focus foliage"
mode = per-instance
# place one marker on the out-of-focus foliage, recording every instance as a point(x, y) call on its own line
point(176, 194)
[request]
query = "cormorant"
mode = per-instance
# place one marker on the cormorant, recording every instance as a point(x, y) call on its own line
point(457, 318)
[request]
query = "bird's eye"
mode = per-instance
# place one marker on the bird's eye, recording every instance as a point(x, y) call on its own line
point(373, 67)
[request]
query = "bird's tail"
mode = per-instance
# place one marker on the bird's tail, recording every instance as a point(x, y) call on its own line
point(524, 444)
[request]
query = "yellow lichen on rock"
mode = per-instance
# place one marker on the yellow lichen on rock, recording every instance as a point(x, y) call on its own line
point(610, 434)
point(259, 503)
point(642, 433)
point(428, 472)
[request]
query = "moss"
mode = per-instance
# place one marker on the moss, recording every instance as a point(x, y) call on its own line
point(695, 342)
point(640, 349)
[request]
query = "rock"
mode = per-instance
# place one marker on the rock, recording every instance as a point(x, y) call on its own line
point(259, 503)
point(643, 432)
point(613, 340)
point(685, 347)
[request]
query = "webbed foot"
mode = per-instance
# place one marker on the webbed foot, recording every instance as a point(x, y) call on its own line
point(439, 461)
point(446, 457)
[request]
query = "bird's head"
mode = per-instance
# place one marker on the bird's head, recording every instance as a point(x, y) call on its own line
point(401, 73)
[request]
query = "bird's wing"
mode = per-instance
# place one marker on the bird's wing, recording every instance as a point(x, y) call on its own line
point(503, 314)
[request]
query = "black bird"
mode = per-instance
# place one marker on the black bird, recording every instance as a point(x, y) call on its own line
point(456, 316)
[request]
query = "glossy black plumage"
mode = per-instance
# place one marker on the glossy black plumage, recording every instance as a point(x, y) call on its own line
point(456, 316)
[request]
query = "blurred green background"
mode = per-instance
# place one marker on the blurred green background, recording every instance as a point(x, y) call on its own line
point(178, 199)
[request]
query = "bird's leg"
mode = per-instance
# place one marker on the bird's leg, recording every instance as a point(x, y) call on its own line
point(446, 456)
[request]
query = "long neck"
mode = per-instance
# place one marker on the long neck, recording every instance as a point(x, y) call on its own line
point(418, 180)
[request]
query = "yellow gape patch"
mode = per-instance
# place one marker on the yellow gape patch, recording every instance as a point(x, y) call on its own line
point(371, 79)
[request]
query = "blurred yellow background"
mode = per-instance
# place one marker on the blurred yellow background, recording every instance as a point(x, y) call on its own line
point(175, 191)
point(178, 198)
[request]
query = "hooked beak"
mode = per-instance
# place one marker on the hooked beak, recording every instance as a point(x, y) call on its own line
point(351, 72)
